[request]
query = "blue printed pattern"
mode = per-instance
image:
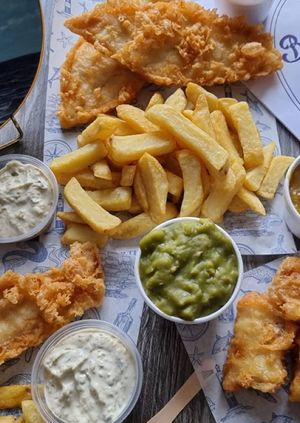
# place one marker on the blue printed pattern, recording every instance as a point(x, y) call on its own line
point(123, 304)
point(207, 353)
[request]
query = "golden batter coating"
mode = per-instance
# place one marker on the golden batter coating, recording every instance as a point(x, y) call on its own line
point(92, 83)
point(35, 305)
point(256, 352)
point(178, 42)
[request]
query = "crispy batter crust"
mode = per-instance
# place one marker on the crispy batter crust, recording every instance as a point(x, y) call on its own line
point(178, 42)
point(284, 291)
point(35, 305)
point(256, 353)
point(92, 83)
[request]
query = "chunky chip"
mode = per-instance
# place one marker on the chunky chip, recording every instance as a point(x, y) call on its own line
point(90, 212)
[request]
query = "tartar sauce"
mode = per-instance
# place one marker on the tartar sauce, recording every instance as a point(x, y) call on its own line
point(89, 377)
point(26, 197)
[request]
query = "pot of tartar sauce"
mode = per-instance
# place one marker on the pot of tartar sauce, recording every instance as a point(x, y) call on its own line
point(87, 372)
point(28, 197)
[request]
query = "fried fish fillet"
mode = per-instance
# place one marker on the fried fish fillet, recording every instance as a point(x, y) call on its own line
point(35, 305)
point(92, 83)
point(178, 42)
point(284, 291)
point(256, 352)
point(294, 394)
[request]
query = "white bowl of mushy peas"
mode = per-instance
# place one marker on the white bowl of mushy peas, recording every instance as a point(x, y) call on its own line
point(189, 270)
point(87, 372)
point(28, 197)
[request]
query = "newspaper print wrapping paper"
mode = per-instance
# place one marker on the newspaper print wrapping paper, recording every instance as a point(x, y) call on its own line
point(207, 347)
point(123, 303)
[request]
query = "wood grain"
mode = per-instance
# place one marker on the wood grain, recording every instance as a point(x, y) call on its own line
point(165, 361)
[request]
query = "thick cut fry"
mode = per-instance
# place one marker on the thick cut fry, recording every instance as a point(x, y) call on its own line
point(201, 116)
point(248, 134)
point(175, 184)
point(132, 147)
point(141, 224)
point(189, 115)
point(79, 159)
point(90, 212)
point(252, 201)
point(223, 105)
point(237, 205)
point(171, 164)
point(177, 100)
point(113, 199)
point(222, 134)
point(193, 91)
point(156, 184)
point(140, 191)
point(206, 182)
point(135, 206)
point(102, 128)
point(222, 192)
point(20, 420)
point(255, 176)
point(30, 413)
point(127, 176)
point(102, 170)
point(135, 118)
point(256, 354)
point(7, 419)
point(278, 166)
point(192, 182)
point(87, 179)
point(157, 98)
point(12, 396)
point(82, 233)
point(70, 217)
point(189, 136)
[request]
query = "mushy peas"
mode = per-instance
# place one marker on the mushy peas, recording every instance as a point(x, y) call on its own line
point(295, 188)
point(188, 269)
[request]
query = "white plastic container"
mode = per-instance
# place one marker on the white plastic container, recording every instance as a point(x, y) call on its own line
point(198, 320)
point(255, 11)
point(37, 376)
point(291, 216)
point(47, 172)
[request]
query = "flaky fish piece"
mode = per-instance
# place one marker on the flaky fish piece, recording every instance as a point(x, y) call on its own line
point(256, 352)
point(92, 83)
point(35, 305)
point(284, 291)
point(178, 42)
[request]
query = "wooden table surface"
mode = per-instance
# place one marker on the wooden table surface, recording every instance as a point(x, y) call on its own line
point(165, 361)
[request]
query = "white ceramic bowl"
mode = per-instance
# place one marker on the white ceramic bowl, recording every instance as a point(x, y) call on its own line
point(37, 375)
point(199, 319)
point(45, 222)
point(291, 216)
